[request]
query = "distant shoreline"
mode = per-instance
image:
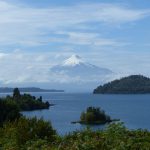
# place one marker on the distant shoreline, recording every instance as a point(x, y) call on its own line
point(29, 89)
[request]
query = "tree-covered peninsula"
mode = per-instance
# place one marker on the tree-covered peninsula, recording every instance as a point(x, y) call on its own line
point(10, 106)
point(134, 84)
point(25, 102)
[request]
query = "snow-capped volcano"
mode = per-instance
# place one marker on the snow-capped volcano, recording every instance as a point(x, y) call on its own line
point(75, 66)
point(73, 61)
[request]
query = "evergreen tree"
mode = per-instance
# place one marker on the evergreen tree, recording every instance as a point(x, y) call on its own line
point(16, 94)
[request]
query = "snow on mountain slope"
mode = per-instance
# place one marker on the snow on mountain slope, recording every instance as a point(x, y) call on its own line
point(73, 61)
point(75, 66)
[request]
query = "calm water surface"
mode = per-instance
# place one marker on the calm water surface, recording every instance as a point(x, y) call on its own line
point(133, 110)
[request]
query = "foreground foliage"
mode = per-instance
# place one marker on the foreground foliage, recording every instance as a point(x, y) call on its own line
point(23, 133)
point(115, 137)
point(9, 111)
point(33, 134)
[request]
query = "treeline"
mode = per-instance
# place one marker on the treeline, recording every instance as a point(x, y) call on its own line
point(10, 106)
point(134, 84)
point(26, 102)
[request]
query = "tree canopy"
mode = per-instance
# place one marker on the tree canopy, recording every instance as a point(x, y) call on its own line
point(10, 106)
point(23, 132)
point(94, 116)
point(9, 111)
point(34, 134)
point(16, 94)
point(134, 84)
point(27, 102)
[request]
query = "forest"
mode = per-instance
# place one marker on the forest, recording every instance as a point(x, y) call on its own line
point(134, 84)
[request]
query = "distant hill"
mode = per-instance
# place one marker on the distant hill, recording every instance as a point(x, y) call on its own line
point(28, 89)
point(134, 84)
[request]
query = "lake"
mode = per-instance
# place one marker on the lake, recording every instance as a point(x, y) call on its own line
point(133, 110)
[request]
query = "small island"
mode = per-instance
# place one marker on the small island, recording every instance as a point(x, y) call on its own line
point(94, 116)
point(134, 84)
point(26, 102)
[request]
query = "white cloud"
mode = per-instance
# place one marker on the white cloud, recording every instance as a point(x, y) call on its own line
point(28, 26)
point(20, 67)
point(2, 56)
point(85, 38)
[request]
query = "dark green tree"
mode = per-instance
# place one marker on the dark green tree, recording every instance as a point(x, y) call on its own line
point(9, 111)
point(16, 94)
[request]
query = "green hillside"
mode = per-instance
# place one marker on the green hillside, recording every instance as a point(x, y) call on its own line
point(134, 84)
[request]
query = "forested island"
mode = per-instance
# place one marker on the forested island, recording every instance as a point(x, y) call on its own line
point(134, 84)
point(27, 89)
point(94, 116)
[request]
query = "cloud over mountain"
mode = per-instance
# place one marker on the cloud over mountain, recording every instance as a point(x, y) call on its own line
point(75, 66)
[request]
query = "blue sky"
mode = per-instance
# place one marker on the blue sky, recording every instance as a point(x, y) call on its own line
point(36, 35)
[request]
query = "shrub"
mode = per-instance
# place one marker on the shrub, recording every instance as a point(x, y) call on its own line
point(9, 111)
point(23, 131)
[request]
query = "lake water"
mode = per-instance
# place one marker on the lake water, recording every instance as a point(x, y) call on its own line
point(133, 110)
